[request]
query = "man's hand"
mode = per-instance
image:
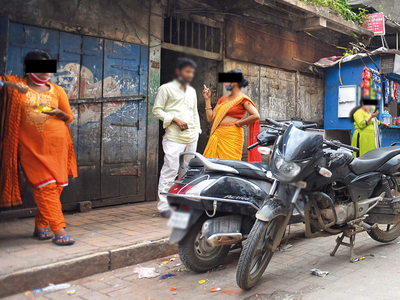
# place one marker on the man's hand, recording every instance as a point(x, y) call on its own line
point(206, 92)
point(182, 125)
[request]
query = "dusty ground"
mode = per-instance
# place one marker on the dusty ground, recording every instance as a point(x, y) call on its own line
point(287, 277)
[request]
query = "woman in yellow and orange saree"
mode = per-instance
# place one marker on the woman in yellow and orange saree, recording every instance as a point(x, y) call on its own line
point(227, 133)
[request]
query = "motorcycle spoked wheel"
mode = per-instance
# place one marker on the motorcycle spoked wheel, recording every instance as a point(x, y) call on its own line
point(385, 233)
point(197, 254)
point(256, 254)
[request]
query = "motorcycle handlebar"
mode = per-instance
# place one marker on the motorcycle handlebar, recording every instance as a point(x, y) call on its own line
point(273, 122)
point(337, 144)
point(251, 147)
point(313, 125)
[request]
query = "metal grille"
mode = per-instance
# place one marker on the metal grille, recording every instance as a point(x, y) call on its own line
point(191, 34)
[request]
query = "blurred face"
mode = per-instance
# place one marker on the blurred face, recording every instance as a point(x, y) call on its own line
point(227, 84)
point(187, 73)
point(43, 76)
point(367, 107)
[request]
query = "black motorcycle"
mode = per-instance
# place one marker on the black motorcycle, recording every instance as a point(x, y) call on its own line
point(339, 193)
point(215, 203)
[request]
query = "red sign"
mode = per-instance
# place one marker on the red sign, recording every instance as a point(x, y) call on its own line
point(375, 23)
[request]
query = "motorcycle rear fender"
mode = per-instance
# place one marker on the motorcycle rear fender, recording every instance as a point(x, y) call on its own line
point(272, 208)
point(178, 234)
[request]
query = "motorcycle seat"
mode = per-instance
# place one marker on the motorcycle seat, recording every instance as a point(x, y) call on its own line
point(253, 170)
point(372, 160)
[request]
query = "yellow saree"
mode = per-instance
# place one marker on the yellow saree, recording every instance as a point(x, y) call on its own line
point(226, 140)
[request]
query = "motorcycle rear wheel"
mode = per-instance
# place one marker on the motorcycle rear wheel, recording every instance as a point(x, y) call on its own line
point(388, 234)
point(256, 254)
point(385, 236)
point(197, 254)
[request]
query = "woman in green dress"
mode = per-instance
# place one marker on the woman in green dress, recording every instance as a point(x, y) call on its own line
point(366, 134)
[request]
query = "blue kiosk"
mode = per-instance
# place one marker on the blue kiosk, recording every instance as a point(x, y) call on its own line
point(343, 91)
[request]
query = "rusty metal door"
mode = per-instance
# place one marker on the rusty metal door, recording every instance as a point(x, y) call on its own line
point(106, 82)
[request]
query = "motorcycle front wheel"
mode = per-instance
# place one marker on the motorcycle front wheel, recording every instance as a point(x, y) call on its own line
point(257, 254)
point(197, 254)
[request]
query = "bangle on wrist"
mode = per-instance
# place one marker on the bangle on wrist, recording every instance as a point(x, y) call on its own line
point(208, 108)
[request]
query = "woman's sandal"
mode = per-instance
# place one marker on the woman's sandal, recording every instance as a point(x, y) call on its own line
point(37, 234)
point(65, 243)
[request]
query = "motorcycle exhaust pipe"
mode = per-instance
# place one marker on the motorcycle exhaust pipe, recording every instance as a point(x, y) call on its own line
point(224, 239)
point(223, 231)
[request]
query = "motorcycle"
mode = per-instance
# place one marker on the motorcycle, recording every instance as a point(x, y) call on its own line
point(215, 201)
point(340, 194)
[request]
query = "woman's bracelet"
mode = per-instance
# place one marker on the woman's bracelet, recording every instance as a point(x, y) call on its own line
point(208, 108)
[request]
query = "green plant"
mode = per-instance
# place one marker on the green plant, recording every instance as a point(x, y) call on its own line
point(342, 8)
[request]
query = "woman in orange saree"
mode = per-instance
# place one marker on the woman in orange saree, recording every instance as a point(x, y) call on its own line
point(227, 133)
point(41, 142)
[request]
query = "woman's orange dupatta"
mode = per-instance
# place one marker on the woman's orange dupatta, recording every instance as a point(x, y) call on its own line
point(10, 110)
point(254, 129)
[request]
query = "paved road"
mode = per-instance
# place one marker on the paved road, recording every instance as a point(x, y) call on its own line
point(287, 277)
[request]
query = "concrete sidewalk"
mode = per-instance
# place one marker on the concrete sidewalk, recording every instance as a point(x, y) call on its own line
point(106, 239)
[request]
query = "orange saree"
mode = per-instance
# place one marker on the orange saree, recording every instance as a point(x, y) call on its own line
point(41, 143)
point(226, 140)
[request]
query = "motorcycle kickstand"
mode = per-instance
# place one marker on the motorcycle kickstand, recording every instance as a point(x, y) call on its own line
point(339, 241)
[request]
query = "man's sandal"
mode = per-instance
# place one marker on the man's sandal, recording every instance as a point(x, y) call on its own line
point(65, 243)
point(44, 236)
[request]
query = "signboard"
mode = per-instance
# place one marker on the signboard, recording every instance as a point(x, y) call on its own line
point(375, 23)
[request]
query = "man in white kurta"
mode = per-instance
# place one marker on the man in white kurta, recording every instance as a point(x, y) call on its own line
point(176, 106)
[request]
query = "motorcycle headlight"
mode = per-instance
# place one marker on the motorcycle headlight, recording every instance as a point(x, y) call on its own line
point(286, 170)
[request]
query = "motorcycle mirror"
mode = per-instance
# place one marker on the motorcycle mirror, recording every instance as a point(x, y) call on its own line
point(264, 150)
point(325, 172)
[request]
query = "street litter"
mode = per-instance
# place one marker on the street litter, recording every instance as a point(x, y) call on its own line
point(398, 242)
point(165, 276)
point(219, 268)
point(56, 287)
point(286, 248)
point(96, 233)
point(70, 292)
point(319, 273)
point(215, 289)
point(164, 263)
point(177, 265)
point(202, 281)
point(37, 291)
point(359, 258)
point(146, 272)
point(173, 258)
point(383, 256)
point(27, 293)
point(182, 269)
point(173, 289)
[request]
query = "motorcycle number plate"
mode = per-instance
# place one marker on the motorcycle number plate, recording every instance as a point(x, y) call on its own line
point(179, 220)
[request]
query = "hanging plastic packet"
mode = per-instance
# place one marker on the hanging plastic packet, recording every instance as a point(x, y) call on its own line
point(387, 91)
point(366, 82)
